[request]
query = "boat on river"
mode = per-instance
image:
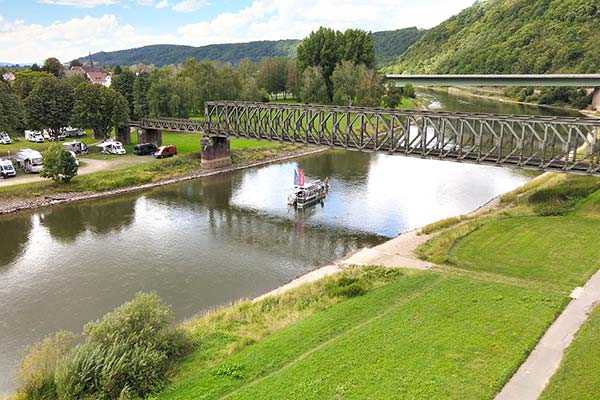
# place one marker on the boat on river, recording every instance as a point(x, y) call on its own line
point(307, 194)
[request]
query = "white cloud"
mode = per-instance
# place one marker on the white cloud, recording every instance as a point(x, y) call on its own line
point(21, 42)
point(80, 3)
point(190, 5)
point(162, 4)
point(277, 19)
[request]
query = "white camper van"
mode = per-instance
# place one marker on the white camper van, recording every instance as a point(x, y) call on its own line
point(34, 136)
point(69, 131)
point(30, 161)
point(76, 147)
point(6, 169)
point(51, 138)
point(4, 138)
point(111, 146)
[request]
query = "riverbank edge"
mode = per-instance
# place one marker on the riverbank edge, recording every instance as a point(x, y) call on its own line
point(404, 246)
point(67, 198)
point(466, 92)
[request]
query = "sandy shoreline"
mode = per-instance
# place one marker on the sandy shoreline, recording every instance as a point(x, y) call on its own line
point(15, 206)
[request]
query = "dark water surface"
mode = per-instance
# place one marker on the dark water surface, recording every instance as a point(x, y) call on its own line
point(207, 242)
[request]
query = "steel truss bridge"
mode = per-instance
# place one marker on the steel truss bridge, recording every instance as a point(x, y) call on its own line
point(563, 144)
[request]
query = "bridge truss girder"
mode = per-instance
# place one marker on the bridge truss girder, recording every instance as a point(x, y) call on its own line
point(561, 144)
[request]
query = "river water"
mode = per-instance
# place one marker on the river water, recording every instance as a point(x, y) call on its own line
point(208, 242)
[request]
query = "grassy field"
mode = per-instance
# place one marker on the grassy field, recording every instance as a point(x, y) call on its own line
point(579, 375)
point(424, 335)
point(243, 151)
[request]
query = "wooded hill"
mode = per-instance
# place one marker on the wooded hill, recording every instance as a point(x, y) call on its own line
point(389, 45)
point(511, 36)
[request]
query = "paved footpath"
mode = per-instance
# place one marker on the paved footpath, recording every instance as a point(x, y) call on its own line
point(531, 379)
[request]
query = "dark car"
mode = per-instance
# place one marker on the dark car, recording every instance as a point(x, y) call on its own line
point(145, 149)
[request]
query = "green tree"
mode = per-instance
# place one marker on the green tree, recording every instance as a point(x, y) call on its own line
point(393, 96)
point(75, 63)
point(370, 89)
point(54, 66)
point(272, 75)
point(12, 112)
point(100, 109)
point(26, 80)
point(251, 91)
point(326, 48)
point(314, 87)
point(49, 105)
point(59, 164)
point(140, 96)
point(123, 83)
point(345, 79)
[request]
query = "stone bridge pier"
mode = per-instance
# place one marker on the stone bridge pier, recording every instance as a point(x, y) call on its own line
point(124, 134)
point(215, 152)
point(150, 136)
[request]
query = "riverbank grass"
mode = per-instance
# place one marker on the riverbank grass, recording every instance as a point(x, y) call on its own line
point(423, 335)
point(579, 375)
point(243, 151)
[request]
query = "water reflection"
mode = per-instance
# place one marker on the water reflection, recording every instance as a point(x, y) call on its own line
point(14, 234)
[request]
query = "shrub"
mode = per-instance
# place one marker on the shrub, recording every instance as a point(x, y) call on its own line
point(125, 355)
point(37, 371)
point(345, 286)
point(59, 164)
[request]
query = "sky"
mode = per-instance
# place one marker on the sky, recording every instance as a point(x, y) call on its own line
point(33, 30)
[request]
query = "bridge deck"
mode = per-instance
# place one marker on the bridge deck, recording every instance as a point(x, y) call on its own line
point(564, 144)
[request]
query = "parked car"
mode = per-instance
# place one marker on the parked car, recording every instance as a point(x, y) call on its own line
point(34, 136)
point(7, 169)
point(69, 131)
point(30, 161)
point(4, 138)
point(145, 149)
point(76, 147)
point(111, 146)
point(166, 151)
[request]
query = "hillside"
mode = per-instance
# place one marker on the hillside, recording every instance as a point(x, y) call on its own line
point(389, 45)
point(511, 36)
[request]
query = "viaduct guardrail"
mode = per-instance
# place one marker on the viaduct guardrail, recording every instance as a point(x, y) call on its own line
point(563, 144)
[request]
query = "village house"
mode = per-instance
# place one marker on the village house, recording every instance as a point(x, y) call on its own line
point(95, 75)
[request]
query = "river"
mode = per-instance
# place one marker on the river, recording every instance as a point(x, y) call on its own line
point(204, 243)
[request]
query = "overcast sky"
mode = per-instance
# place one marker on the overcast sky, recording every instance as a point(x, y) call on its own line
point(32, 30)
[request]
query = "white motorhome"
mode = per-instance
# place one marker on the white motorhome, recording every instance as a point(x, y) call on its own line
point(111, 146)
point(69, 131)
point(6, 169)
point(34, 136)
point(30, 161)
point(52, 138)
point(76, 147)
point(4, 138)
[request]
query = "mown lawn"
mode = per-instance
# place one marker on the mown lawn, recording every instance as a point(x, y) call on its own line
point(425, 336)
point(579, 375)
point(556, 250)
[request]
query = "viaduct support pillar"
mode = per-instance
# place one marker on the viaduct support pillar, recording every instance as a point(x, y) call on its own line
point(215, 152)
point(150, 136)
point(124, 135)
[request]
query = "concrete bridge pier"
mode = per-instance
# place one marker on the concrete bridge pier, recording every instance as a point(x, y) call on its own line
point(150, 136)
point(124, 134)
point(215, 152)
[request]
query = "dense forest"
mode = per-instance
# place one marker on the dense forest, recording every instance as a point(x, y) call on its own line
point(511, 37)
point(389, 45)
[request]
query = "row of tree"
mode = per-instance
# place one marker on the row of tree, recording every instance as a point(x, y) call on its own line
point(331, 67)
point(41, 101)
